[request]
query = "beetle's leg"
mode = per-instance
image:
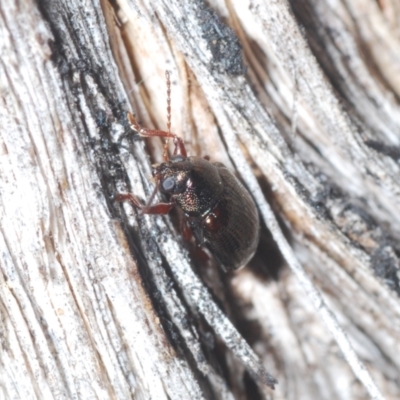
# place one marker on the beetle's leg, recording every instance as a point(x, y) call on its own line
point(157, 209)
point(185, 229)
point(145, 132)
point(120, 197)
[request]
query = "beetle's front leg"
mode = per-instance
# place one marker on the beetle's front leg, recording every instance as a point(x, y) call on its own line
point(155, 209)
point(158, 209)
point(180, 148)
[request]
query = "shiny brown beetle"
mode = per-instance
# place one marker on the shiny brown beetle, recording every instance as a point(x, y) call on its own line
point(216, 207)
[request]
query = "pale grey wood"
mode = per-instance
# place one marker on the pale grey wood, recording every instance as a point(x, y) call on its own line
point(317, 111)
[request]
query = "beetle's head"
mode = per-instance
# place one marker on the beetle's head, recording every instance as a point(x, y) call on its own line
point(173, 175)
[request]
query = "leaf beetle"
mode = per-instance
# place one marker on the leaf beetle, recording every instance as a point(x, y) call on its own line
point(217, 208)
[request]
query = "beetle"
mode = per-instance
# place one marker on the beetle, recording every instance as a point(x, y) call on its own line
point(217, 208)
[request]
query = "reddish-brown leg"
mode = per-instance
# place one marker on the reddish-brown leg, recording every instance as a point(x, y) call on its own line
point(145, 132)
point(185, 230)
point(157, 209)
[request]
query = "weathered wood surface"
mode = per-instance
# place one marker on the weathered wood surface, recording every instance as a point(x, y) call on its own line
point(100, 302)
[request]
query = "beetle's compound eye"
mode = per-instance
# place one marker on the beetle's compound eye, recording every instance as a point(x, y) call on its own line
point(168, 184)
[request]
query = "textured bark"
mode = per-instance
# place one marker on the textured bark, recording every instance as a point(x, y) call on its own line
point(98, 301)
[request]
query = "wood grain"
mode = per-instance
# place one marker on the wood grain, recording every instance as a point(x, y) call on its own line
point(301, 98)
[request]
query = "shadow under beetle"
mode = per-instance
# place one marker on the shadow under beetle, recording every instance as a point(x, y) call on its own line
point(217, 209)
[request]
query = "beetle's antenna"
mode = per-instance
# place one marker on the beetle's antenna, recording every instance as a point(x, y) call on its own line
point(167, 76)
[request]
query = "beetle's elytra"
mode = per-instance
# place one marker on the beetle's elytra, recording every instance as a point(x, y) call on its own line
point(217, 209)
